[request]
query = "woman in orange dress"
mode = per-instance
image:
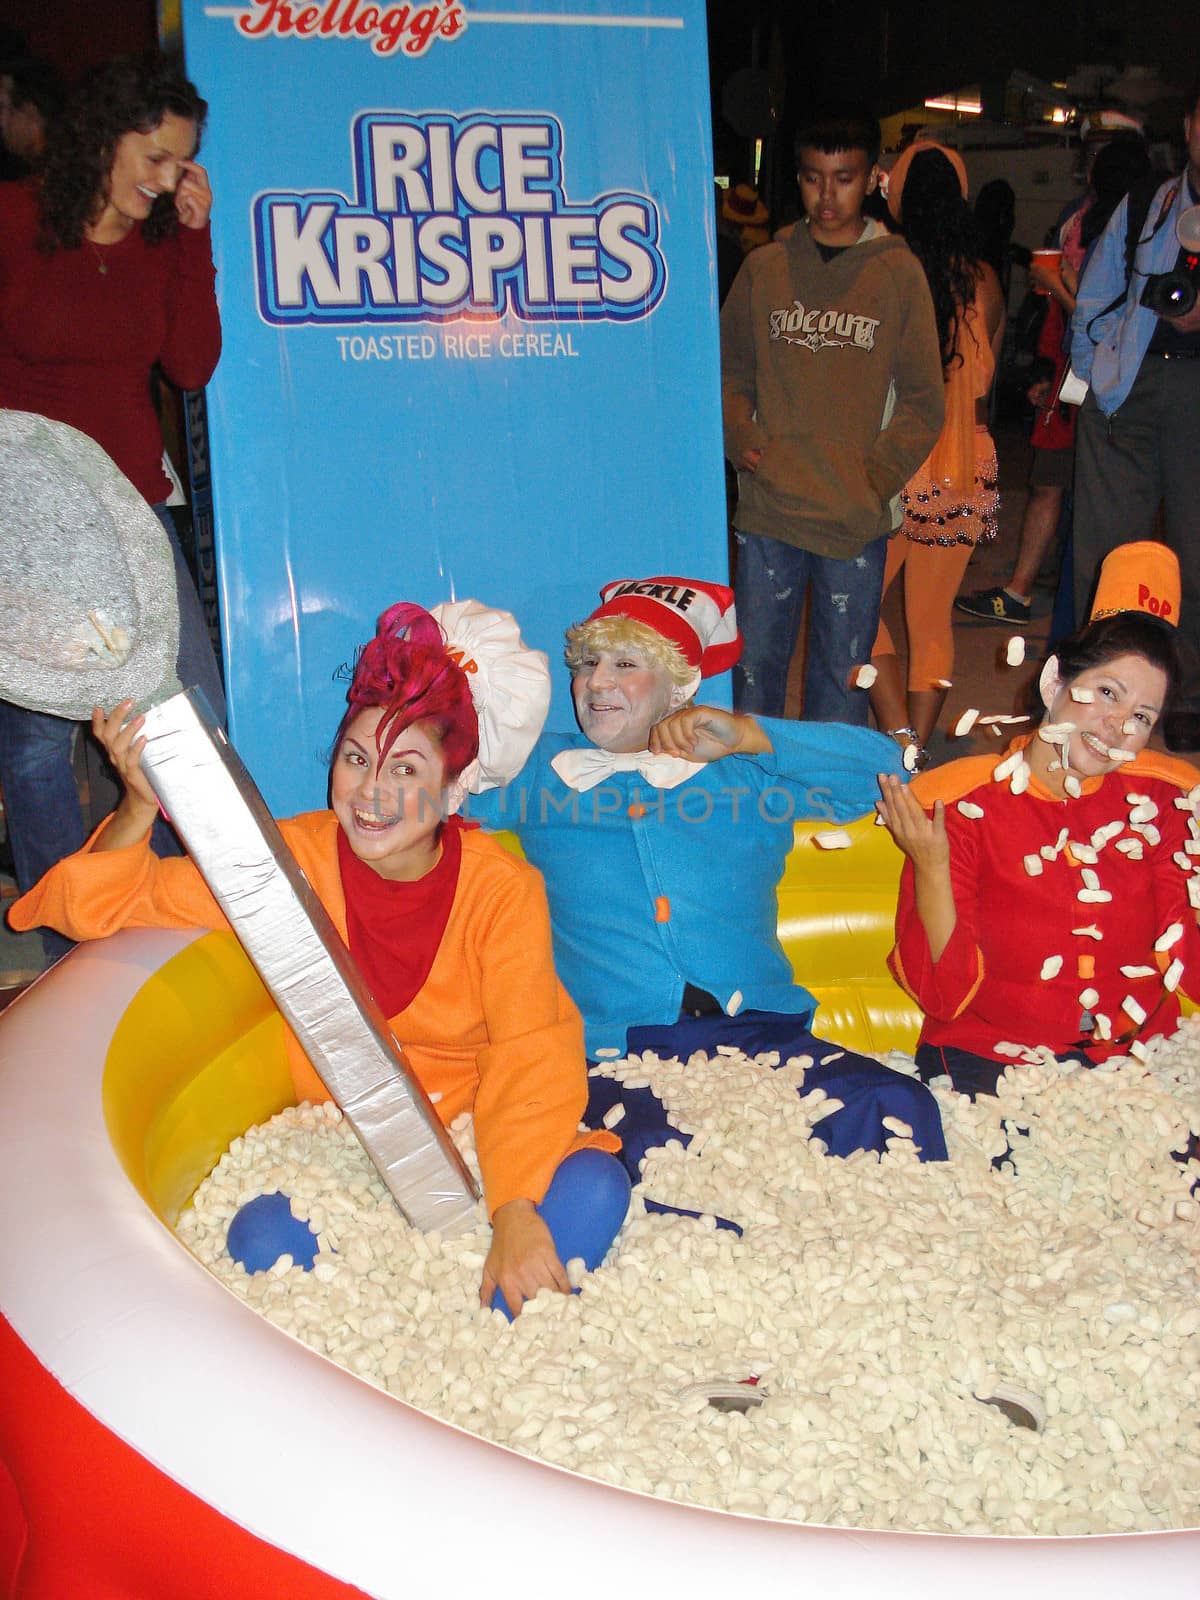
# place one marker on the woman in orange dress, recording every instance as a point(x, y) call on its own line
point(450, 931)
point(950, 503)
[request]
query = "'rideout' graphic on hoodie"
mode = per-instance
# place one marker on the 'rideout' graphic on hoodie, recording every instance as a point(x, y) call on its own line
point(823, 330)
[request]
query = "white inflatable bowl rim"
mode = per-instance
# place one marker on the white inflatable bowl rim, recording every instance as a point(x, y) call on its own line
point(320, 1463)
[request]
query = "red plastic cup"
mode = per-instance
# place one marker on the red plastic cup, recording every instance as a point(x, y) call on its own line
point(1051, 261)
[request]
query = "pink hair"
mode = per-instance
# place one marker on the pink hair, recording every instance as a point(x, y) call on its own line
point(407, 670)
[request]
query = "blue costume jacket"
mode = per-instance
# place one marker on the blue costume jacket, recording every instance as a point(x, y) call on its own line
point(1121, 339)
point(652, 888)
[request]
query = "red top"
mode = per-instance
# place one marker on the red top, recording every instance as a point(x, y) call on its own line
point(81, 329)
point(988, 985)
point(394, 928)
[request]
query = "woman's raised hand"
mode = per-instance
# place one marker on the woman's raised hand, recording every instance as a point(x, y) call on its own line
point(922, 838)
point(193, 196)
point(121, 737)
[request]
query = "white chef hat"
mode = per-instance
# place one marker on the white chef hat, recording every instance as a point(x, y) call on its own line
point(510, 687)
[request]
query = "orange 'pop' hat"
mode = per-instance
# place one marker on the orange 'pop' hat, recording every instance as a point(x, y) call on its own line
point(1143, 576)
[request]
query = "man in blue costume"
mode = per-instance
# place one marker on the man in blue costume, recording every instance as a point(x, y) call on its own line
point(662, 828)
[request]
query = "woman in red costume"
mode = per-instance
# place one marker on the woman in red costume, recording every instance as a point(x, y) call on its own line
point(1048, 894)
point(106, 277)
point(450, 931)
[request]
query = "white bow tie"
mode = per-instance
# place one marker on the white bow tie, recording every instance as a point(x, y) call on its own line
point(584, 768)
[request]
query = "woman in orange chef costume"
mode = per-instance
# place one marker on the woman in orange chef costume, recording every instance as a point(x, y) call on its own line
point(450, 931)
point(1049, 894)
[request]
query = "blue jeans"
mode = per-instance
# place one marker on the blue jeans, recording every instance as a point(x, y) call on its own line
point(37, 777)
point(772, 581)
point(41, 802)
point(196, 665)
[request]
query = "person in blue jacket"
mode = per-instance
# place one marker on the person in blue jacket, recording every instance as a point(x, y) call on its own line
point(1138, 435)
point(662, 828)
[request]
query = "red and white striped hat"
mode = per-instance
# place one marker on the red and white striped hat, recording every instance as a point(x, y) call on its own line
point(698, 617)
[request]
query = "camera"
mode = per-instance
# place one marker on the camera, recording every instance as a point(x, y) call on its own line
point(1173, 294)
point(1170, 294)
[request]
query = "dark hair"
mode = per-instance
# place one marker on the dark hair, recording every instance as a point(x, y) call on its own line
point(1126, 633)
point(995, 218)
point(843, 127)
point(34, 82)
point(996, 206)
point(939, 228)
point(129, 95)
point(1121, 165)
point(1191, 103)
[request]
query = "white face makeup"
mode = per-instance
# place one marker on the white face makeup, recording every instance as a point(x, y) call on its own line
point(145, 165)
point(390, 808)
point(619, 696)
point(1113, 707)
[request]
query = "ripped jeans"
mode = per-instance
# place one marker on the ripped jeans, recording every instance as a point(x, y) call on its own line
point(772, 580)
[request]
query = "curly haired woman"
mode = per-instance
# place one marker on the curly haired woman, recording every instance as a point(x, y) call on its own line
point(106, 275)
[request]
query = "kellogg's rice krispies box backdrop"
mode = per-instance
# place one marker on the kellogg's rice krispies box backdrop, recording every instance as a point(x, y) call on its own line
point(464, 266)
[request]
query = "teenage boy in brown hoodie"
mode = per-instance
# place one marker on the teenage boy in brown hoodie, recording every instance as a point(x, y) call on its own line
point(831, 383)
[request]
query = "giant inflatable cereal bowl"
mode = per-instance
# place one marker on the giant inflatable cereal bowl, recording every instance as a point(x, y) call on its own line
point(158, 1439)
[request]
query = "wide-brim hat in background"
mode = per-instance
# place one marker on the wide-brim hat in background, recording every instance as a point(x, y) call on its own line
point(743, 206)
point(88, 609)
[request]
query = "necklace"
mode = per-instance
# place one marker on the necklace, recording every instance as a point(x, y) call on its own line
point(101, 264)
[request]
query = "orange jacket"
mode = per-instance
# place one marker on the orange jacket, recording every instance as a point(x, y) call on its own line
point(492, 1030)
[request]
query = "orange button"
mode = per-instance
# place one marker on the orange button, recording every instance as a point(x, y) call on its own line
point(1086, 966)
point(662, 909)
point(637, 810)
point(1070, 857)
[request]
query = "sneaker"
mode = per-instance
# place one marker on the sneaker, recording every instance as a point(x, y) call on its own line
point(994, 605)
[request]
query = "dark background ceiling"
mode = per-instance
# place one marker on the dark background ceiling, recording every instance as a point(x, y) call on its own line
point(897, 51)
point(893, 52)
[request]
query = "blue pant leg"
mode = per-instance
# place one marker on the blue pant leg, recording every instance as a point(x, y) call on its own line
point(196, 665)
point(40, 798)
point(842, 623)
point(41, 801)
point(753, 1032)
point(868, 1092)
point(770, 585)
point(970, 1074)
point(645, 1125)
point(584, 1208)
